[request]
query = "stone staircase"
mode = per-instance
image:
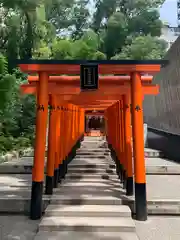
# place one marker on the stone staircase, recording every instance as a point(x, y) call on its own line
point(87, 205)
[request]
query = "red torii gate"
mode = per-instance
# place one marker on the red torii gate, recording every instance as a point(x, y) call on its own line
point(121, 91)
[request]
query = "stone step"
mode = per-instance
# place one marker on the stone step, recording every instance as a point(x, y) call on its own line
point(110, 168)
point(19, 203)
point(91, 156)
point(99, 149)
point(79, 165)
point(90, 191)
point(100, 154)
point(87, 143)
point(96, 176)
point(90, 170)
point(86, 199)
point(92, 153)
point(76, 170)
point(89, 138)
point(92, 161)
point(81, 150)
point(93, 141)
point(91, 185)
point(100, 224)
point(92, 146)
point(106, 191)
point(91, 179)
point(27, 169)
point(88, 151)
point(88, 211)
point(77, 235)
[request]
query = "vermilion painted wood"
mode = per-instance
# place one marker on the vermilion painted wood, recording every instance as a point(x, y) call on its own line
point(56, 89)
point(102, 79)
point(103, 68)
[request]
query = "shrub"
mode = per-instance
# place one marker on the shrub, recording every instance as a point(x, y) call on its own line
point(22, 142)
point(6, 144)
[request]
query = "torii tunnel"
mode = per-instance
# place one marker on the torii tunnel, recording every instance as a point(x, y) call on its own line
point(119, 97)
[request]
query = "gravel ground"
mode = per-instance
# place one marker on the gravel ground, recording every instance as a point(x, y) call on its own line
point(162, 228)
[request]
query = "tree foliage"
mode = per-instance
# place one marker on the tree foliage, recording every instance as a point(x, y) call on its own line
point(68, 29)
point(138, 49)
point(7, 82)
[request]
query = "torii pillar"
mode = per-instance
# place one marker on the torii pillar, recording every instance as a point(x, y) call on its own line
point(138, 147)
point(40, 145)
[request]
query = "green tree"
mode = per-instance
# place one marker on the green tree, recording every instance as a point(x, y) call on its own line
point(9, 33)
point(23, 19)
point(65, 29)
point(99, 56)
point(27, 10)
point(58, 12)
point(87, 47)
point(116, 20)
point(91, 39)
point(68, 16)
point(116, 33)
point(7, 83)
point(104, 9)
point(81, 50)
point(42, 52)
point(61, 49)
point(84, 48)
point(143, 48)
point(79, 15)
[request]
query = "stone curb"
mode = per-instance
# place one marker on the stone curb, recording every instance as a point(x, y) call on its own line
point(16, 155)
point(163, 170)
point(19, 205)
point(6, 168)
point(158, 207)
point(155, 207)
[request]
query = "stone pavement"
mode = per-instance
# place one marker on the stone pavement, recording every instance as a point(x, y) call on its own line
point(91, 189)
point(155, 164)
point(162, 194)
point(157, 227)
point(16, 227)
point(79, 209)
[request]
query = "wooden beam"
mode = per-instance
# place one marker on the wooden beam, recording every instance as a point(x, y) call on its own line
point(113, 90)
point(74, 69)
point(75, 80)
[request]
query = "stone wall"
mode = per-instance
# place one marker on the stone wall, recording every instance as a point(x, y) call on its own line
point(163, 111)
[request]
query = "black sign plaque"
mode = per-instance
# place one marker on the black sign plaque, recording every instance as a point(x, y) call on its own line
point(89, 77)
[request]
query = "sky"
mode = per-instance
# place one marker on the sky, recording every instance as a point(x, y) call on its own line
point(168, 12)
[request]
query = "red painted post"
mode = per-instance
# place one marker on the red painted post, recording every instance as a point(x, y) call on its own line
point(138, 148)
point(40, 144)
